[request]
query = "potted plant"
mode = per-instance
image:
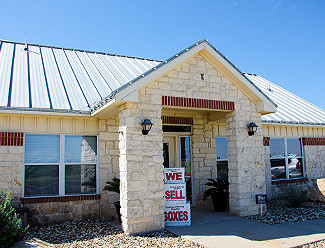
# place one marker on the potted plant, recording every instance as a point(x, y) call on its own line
point(114, 186)
point(218, 192)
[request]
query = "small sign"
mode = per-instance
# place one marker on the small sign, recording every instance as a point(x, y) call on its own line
point(260, 199)
point(178, 214)
point(175, 193)
point(174, 175)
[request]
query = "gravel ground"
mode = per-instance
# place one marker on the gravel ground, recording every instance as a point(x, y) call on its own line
point(98, 233)
point(318, 244)
point(279, 212)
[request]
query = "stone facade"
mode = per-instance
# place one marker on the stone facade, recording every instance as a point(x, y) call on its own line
point(54, 212)
point(141, 167)
point(11, 170)
point(203, 157)
point(108, 164)
point(314, 161)
point(186, 81)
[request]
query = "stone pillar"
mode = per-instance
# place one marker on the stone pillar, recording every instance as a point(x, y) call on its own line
point(141, 169)
point(245, 162)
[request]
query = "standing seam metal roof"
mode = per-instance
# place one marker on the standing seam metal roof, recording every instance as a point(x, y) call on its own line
point(58, 79)
point(291, 108)
point(61, 79)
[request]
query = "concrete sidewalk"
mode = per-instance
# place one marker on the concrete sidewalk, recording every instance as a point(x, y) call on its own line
point(212, 229)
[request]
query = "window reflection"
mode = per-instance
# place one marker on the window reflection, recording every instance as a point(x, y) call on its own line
point(186, 154)
point(80, 149)
point(277, 147)
point(221, 148)
point(41, 180)
point(80, 179)
point(289, 164)
point(278, 169)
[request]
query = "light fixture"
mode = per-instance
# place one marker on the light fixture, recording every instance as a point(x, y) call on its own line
point(252, 128)
point(146, 126)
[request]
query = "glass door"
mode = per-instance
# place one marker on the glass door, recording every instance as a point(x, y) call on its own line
point(177, 153)
point(186, 161)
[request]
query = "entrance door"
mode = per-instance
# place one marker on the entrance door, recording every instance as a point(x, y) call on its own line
point(169, 152)
point(177, 153)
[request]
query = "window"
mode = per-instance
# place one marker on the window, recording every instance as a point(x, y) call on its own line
point(222, 160)
point(60, 165)
point(286, 156)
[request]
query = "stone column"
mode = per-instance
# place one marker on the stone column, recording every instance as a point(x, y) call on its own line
point(141, 169)
point(245, 162)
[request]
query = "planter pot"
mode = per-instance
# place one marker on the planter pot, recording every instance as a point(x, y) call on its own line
point(220, 201)
point(118, 208)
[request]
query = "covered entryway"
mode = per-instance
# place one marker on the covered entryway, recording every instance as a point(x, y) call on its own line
point(177, 152)
point(197, 86)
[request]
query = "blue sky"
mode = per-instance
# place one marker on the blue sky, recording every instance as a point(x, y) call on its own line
point(281, 40)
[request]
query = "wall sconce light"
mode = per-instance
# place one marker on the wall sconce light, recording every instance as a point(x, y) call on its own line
point(252, 128)
point(146, 126)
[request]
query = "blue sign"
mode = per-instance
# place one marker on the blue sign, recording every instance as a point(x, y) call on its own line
point(260, 199)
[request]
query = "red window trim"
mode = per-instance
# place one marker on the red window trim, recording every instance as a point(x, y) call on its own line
point(285, 181)
point(59, 198)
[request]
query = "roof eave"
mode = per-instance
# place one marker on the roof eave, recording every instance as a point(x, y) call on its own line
point(40, 111)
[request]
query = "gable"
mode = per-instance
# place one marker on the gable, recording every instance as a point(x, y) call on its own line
point(197, 78)
point(212, 58)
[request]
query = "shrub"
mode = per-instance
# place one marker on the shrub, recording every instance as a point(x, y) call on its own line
point(113, 186)
point(295, 197)
point(11, 230)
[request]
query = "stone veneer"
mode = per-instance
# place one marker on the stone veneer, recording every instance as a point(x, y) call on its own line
point(203, 157)
point(11, 170)
point(52, 212)
point(314, 161)
point(246, 167)
point(141, 168)
point(108, 164)
point(245, 154)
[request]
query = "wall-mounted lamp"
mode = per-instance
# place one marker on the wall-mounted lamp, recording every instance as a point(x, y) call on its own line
point(146, 126)
point(252, 128)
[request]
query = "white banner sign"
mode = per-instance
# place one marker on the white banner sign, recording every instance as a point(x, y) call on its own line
point(175, 193)
point(174, 175)
point(177, 214)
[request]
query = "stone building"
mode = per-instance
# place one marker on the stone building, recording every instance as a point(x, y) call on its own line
point(71, 119)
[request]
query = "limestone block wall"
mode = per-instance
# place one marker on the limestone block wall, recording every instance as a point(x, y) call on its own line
point(108, 164)
point(11, 170)
point(54, 212)
point(314, 161)
point(246, 154)
point(203, 157)
point(12, 158)
point(246, 167)
point(141, 166)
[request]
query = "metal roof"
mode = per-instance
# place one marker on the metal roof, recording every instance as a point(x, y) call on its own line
point(36, 77)
point(291, 109)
